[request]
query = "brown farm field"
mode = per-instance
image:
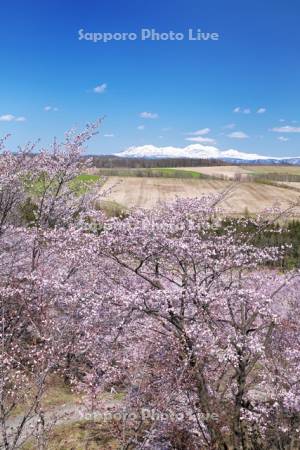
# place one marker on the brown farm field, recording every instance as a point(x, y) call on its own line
point(221, 171)
point(230, 172)
point(264, 169)
point(149, 192)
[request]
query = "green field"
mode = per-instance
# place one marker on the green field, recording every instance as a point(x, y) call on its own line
point(159, 173)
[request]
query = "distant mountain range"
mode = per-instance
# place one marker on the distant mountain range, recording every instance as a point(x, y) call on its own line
point(203, 152)
point(266, 161)
point(271, 161)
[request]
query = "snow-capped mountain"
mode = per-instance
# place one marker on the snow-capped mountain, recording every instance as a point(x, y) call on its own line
point(203, 152)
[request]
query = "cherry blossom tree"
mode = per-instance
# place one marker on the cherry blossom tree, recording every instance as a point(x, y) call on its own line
point(44, 278)
point(209, 335)
point(176, 307)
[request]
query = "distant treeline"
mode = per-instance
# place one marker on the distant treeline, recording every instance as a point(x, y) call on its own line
point(111, 162)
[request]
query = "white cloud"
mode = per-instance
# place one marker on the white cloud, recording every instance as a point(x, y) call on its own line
point(238, 109)
point(261, 110)
point(201, 132)
point(148, 115)
point(100, 89)
point(238, 135)
point(141, 127)
point(200, 136)
point(110, 135)
point(50, 108)
point(281, 120)
point(283, 138)
point(11, 118)
point(286, 129)
point(7, 118)
point(190, 151)
point(202, 139)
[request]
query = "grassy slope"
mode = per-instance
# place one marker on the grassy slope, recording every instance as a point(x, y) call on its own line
point(78, 435)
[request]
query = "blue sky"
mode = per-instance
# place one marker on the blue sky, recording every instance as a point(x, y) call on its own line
point(49, 76)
